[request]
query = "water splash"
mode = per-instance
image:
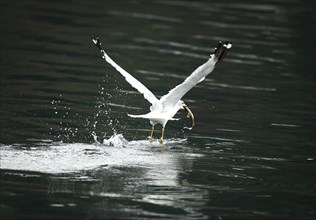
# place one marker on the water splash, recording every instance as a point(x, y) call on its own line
point(68, 125)
point(104, 119)
point(116, 140)
point(116, 151)
point(62, 126)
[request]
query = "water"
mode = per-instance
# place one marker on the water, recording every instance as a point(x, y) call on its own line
point(69, 150)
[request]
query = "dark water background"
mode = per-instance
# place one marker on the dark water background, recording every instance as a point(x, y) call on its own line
point(69, 150)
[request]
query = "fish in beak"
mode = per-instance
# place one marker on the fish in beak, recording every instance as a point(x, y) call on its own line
point(190, 115)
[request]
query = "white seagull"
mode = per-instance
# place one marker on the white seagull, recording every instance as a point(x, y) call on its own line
point(162, 110)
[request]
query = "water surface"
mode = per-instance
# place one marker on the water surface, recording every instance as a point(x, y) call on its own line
point(69, 151)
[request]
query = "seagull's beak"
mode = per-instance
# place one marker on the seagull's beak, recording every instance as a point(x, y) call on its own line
point(190, 114)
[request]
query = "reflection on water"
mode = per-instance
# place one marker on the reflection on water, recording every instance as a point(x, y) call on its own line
point(135, 172)
point(251, 155)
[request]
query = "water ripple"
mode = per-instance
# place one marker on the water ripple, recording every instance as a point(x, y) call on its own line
point(171, 43)
point(248, 42)
point(246, 27)
point(221, 139)
point(145, 16)
point(241, 87)
point(164, 51)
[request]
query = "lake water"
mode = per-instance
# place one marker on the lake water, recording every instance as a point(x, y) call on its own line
point(69, 150)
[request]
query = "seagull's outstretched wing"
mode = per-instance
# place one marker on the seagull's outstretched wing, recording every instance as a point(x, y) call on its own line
point(175, 94)
point(128, 77)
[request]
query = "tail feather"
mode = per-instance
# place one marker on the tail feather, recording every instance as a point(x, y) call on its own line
point(221, 50)
point(137, 116)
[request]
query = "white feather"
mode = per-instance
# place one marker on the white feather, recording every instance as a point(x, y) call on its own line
point(164, 109)
point(175, 94)
point(148, 95)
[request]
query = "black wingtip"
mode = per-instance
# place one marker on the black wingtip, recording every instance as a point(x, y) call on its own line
point(221, 50)
point(97, 42)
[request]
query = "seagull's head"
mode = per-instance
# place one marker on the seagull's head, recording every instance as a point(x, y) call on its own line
point(182, 105)
point(190, 114)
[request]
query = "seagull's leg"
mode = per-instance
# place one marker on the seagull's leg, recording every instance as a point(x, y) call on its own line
point(162, 133)
point(151, 134)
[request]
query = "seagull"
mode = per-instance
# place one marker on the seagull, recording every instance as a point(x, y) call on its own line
point(162, 110)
